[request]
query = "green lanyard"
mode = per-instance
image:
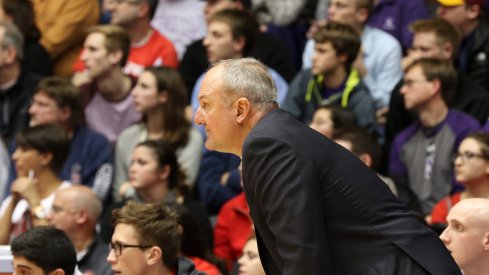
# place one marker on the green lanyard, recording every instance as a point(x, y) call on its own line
point(351, 83)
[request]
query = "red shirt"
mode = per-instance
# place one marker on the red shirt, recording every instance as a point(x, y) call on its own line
point(156, 51)
point(204, 266)
point(232, 230)
point(441, 209)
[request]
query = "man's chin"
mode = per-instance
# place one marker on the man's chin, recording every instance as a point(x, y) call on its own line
point(209, 146)
point(213, 147)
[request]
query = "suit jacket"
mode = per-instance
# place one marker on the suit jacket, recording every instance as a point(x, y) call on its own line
point(317, 209)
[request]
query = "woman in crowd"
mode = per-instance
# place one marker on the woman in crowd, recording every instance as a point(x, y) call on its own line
point(161, 97)
point(328, 119)
point(472, 170)
point(249, 263)
point(40, 155)
point(155, 176)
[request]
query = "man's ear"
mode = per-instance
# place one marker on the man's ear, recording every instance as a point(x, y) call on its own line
point(485, 243)
point(65, 114)
point(81, 216)
point(436, 85)
point(343, 57)
point(57, 271)
point(239, 44)
point(115, 57)
point(366, 158)
point(473, 11)
point(153, 255)
point(447, 50)
point(243, 107)
point(144, 9)
point(362, 15)
point(10, 54)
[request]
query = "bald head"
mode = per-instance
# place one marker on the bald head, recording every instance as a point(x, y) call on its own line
point(81, 197)
point(467, 235)
point(476, 210)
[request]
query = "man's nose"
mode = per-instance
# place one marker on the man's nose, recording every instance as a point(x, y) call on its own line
point(198, 118)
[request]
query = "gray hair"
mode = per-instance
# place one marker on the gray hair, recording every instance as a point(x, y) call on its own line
point(13, 38)
point(248, 77)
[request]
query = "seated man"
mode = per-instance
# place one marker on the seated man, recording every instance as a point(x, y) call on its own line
point(43, 250)
point(267, 48)
point(16, 84)
point(379, 60)
point(232, 34)
point(76, 210)
point(436, 38)
point(468, 17)
point(332, 78)
point(109, 106)
point(420, 158)
point(146, 240)
point(467, 235)
point(149, 48)
point(89, 161)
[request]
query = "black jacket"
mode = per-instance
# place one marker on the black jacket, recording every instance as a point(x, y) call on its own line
point(317, 209)
point(14, 103)
point(477, 66)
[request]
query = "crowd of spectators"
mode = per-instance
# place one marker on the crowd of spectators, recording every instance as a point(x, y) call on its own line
point(97, 101)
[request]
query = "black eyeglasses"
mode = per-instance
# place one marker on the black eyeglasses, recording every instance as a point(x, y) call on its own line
point(118, 247)
point(410, 82)
point(465, 156)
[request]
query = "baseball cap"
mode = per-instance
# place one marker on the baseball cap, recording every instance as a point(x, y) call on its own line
point(453, 3)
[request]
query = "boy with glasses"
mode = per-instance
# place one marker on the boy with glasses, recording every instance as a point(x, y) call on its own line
point(146, 240)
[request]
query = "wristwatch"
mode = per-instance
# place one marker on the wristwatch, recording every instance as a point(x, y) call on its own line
point(38, 212)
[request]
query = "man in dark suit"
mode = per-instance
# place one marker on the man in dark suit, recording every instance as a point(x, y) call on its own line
point(317, 209)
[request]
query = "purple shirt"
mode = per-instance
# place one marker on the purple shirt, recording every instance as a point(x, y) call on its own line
point(394, 17)
point(486, 126)
point(111, 118)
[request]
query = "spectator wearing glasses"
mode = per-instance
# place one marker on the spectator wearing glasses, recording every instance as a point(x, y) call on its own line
point(420, 155)
point(471, 165)
point(146, 240)
point(76, 210)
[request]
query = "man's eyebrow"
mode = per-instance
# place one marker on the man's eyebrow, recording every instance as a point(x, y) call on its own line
point(23, 266)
